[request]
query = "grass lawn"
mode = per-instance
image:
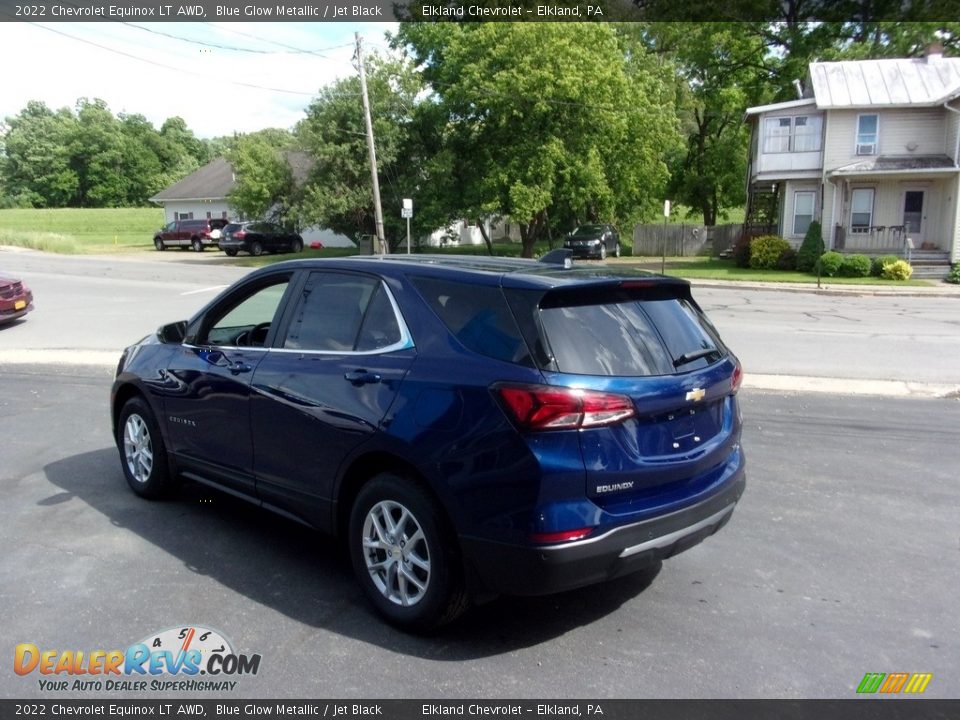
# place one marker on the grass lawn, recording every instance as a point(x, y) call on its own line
point(716, 269)
point(80, 230)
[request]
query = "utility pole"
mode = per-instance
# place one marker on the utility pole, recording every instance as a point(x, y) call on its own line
point(377, 210)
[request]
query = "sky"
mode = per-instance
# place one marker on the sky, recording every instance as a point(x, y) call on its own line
point(138, 69)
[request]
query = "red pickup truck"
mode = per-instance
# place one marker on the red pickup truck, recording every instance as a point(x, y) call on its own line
point(198, 234)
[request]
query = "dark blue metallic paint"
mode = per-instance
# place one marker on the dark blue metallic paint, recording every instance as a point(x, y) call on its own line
point(288, 431)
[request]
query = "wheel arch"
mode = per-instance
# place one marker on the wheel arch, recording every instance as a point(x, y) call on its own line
point(364, 468)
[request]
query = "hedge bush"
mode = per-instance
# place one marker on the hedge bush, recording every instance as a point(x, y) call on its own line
point(876, 268)
point(741, 251)
point(766, 250)
point(811, 248)
point(830, 263)
point(787, 260)
point(899, 270)
point(855, 266)
point(954, 276)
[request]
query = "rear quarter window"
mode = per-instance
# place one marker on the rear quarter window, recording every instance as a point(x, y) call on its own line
point(477, 316)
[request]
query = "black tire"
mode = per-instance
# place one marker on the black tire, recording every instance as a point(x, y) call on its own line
point(158, 244)
point(438, 596)
point(297, 245)
point(197, 244)
point(231, 253)
point(603, 250)
point(256, 249)
point(143, 455)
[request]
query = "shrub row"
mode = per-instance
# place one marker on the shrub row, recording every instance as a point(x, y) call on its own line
point(769, 252)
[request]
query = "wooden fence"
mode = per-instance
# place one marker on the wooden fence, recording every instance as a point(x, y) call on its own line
point(684, 240)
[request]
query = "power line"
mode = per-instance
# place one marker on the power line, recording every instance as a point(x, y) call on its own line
point(171, 67)
point(235, 48)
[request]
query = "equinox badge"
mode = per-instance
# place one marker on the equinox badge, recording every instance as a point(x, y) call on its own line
point(696, 395)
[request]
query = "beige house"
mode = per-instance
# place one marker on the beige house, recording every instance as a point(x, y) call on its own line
point(871, 150)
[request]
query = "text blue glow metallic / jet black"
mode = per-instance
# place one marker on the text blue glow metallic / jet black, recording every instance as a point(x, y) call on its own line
point(471, 426)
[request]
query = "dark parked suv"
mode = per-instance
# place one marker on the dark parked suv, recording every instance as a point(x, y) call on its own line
point(257, 238)
point(469, 426)
point(594, 241)
point(196, 234)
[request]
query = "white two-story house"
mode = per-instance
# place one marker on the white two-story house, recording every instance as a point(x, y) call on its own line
point(872, 151)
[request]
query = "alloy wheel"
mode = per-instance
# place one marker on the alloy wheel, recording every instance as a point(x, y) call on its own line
point(138, 448)
point(395, 553)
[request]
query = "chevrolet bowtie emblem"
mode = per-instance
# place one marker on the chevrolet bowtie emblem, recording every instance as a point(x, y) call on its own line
point(696, 395)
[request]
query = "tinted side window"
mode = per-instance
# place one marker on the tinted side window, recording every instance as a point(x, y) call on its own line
point(478, 316)
point(331, 315)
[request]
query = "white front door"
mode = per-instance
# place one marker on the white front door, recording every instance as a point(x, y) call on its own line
point(914, 215)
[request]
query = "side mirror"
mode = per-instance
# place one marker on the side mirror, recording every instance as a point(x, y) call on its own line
point(172, 333)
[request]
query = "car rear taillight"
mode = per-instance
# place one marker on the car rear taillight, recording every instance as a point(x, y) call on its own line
point(737, 378)
point(240, 234)
point(543, 407)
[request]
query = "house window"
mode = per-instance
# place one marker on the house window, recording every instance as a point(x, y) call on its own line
point(792, 134)
point(185, 216)
point(861, 210)
point(209, 215)
point(867, 134)
point(803, 203)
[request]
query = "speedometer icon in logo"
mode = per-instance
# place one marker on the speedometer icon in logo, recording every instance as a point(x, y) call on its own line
point(191, 639)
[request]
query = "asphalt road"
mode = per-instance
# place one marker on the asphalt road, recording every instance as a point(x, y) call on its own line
point(103, 304)
point(842, 558)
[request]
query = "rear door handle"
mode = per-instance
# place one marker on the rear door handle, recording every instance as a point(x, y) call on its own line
point(240, 367)
point(361, 377)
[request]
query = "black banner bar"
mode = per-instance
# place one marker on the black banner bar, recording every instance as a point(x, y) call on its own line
point(470, 10)
point(855, 709)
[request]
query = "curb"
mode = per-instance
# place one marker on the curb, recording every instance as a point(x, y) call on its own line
point(107, 360)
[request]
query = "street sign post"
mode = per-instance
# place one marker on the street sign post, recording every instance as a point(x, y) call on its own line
point(407, 212)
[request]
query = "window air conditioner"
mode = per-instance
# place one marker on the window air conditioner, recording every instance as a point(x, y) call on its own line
point(866, 148)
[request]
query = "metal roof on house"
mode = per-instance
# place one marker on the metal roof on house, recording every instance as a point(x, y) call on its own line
point(898, 164)
point(900, 82)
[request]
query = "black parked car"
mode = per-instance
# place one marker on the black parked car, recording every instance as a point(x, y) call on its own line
point(471, 426)
point(594, 241)
point(258, 237)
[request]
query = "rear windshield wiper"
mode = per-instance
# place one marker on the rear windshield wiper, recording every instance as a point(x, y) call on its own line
point(689, 357)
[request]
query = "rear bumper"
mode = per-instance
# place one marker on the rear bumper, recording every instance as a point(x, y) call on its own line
point(542, 570)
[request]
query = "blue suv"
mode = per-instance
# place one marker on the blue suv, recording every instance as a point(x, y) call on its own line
point(469, 426)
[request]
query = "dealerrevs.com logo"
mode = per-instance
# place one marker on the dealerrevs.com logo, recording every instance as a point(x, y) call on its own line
point(179, 659)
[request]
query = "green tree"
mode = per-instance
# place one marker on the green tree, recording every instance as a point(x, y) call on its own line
point(265, 186)
point(339, 193)
point(35, 164)
point(547, 121)
point(720, 71)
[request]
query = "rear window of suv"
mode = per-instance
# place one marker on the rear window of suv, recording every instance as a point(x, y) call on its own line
point(629, 337)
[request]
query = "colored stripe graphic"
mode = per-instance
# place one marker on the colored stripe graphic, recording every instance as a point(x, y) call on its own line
point(893, 683)
point(918, 683)
point(871, 682)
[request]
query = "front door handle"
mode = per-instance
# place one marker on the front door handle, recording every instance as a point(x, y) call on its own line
point(361, 377)
point(240, 367)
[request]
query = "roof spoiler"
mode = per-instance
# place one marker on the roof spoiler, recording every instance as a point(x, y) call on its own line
point(558, 256)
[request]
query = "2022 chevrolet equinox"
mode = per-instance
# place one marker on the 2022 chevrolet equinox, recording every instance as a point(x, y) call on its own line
point(469, 426)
